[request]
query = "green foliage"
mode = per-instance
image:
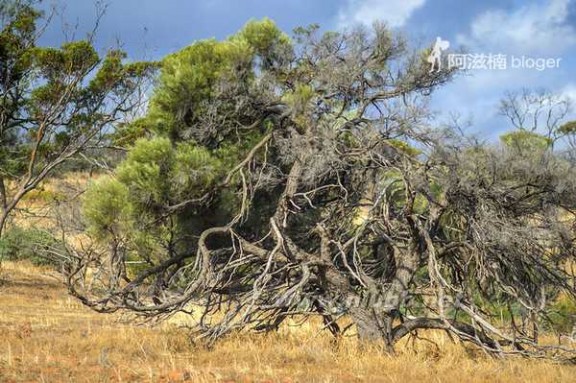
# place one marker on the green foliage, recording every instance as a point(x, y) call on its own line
point(145, 171)
point(127, 134)
point(72, 58)
point(299, 99)
point(188, 80)
point(568, 128)
point(31, 244)
point(106, 207)
point(134, 205)
point(156, 172)
point(262, 36)
point(191, 78)
point(526, 142)
point(562, 315)
point(171, 160)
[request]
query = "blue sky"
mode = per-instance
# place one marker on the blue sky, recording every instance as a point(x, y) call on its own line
point(536, 29)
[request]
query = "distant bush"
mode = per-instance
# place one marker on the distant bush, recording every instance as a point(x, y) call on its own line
point(563, 315)
point(32, 244)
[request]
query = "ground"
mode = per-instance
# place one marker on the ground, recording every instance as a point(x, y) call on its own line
point(47, 336)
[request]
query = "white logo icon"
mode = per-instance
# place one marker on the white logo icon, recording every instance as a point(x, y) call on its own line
point(435, 57)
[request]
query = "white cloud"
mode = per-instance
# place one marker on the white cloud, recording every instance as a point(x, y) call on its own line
point(476, 96)
point(394, 13)
point(570, 92)
point(535, 28)
point(539, 29)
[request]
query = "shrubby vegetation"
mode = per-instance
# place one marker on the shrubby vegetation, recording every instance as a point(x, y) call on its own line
point(278, 176)
point(35, 245)
point(56, 104)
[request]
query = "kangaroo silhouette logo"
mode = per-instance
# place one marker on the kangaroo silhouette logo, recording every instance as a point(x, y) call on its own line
point(435, 57)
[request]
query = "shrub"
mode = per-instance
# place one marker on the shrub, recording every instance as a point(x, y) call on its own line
point(32, 244)
point(563, 314)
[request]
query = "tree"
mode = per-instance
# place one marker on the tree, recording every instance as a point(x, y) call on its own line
point(55, 103)
point(297, 177)
point(568, 132)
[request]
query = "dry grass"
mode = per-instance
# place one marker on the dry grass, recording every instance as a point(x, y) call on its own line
point(46, 336)
point(37, 207)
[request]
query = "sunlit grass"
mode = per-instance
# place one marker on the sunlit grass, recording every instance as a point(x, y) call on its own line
point(45, 335)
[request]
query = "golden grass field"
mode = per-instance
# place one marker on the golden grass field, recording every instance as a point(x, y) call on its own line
point(47, 336)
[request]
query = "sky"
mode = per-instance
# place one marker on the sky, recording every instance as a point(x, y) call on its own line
point(513, 29)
